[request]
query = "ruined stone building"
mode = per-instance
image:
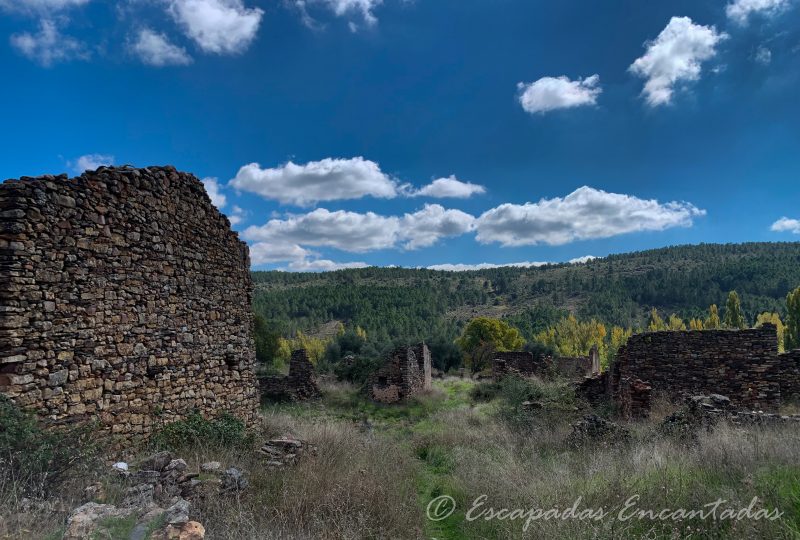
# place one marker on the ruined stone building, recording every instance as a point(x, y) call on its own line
point(299, 385)
point(125, 299)
point(524, 364)
point(743, 365)
point(406, 372)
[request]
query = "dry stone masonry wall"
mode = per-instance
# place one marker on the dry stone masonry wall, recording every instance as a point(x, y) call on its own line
point(299, 385)
point(126, 299)
point(743, 365)
point(405, 373)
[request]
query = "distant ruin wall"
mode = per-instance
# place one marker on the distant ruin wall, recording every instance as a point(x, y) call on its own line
point(300, 384)
point(126, 298)
point(739, 364)
point(405, 373)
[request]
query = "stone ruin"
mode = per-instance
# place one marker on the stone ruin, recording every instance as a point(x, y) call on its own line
point(299, 385)
point(743, 365)
point(405, 373)
point(524, 364)
point(126, 300)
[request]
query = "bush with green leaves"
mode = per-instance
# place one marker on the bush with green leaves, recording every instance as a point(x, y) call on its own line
point(34, 460)
point(225, 431)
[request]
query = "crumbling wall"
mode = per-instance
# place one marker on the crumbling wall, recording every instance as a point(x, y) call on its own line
point(300, 384)
point(526, 365)
point(515, 363)
point(405, 373)
point(126, 299)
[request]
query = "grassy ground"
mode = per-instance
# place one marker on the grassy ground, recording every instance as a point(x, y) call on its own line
point(379, 469)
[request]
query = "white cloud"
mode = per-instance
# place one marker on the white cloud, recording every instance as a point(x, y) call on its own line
point(763, 56)
point(40, 7)
point(217, 26)
point(675, 55)
point(91, 162)
point(49, 46)
point(341, 8)
point(155, 49)
point(326, 180)
point(584, 214)
point(740, 10)
point(322, 265)
point(299, 259)
point(272, 252)
point(450, 187)
point(218, 198)
point(550, 93)
point(237, 215)
point(358, 233)
point(425, 227)
point(484, 266)
point(786, 225)
point(582, 260)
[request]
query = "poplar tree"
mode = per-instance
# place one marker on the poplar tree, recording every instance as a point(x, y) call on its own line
point(792, 332)
point(734, 317)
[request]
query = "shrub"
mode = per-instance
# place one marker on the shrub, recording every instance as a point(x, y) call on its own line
point(226, 431)
point(358, 371)
point(35, 460)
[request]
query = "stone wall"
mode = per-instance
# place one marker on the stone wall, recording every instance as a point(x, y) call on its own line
point(126, 299)
point(743, 365)
point(526, 365)
point(300, 384)
point(405, 373)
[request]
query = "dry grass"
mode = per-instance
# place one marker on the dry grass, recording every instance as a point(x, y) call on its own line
point(376, 484)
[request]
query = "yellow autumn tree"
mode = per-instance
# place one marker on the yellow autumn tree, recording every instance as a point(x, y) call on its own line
point(713, 321)
point(773, 318)
point(655, 323)
point(675, 323)
point(696, 324)
point(570, 337)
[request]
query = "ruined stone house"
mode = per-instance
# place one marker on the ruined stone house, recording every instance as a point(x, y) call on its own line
point(125, 299)
point(300, 384)
point(405, 373)
point(743, 365)
point(524, 364)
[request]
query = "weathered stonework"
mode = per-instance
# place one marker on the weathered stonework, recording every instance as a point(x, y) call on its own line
point(406, 372)
point(524, 364)
point(126, 299)
point(743, 365)
point(300, 384)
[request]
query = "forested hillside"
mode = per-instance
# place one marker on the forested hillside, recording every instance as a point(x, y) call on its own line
point(398, 304)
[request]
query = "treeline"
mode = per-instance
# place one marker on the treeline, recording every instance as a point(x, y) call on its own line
point(398, 305)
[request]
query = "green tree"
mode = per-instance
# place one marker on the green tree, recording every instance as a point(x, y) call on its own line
point(482, 337)
point(734, 316)
point(712, 322)
point(792, 336)
point(267, 340)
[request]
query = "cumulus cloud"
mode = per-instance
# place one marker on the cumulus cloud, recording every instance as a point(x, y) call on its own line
point(740, 11)
point(218, 198)
point(356, 232)
point(786, 224)
point(584, 214)
point(550, 93)
point(217, 26)
point(341, 8)
point(322, 265)
point(155, 49)
point(49, 46)
point(450, 187)
point(675, 55)
point(425, 227)
point(326, 180)
point(91, 162)
point(298, 258)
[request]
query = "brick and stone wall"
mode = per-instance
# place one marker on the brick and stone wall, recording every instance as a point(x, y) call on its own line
point(405, 373)
point(300, 384)
point(126, 299)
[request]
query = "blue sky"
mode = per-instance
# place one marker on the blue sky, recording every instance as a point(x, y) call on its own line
point(555, 129)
